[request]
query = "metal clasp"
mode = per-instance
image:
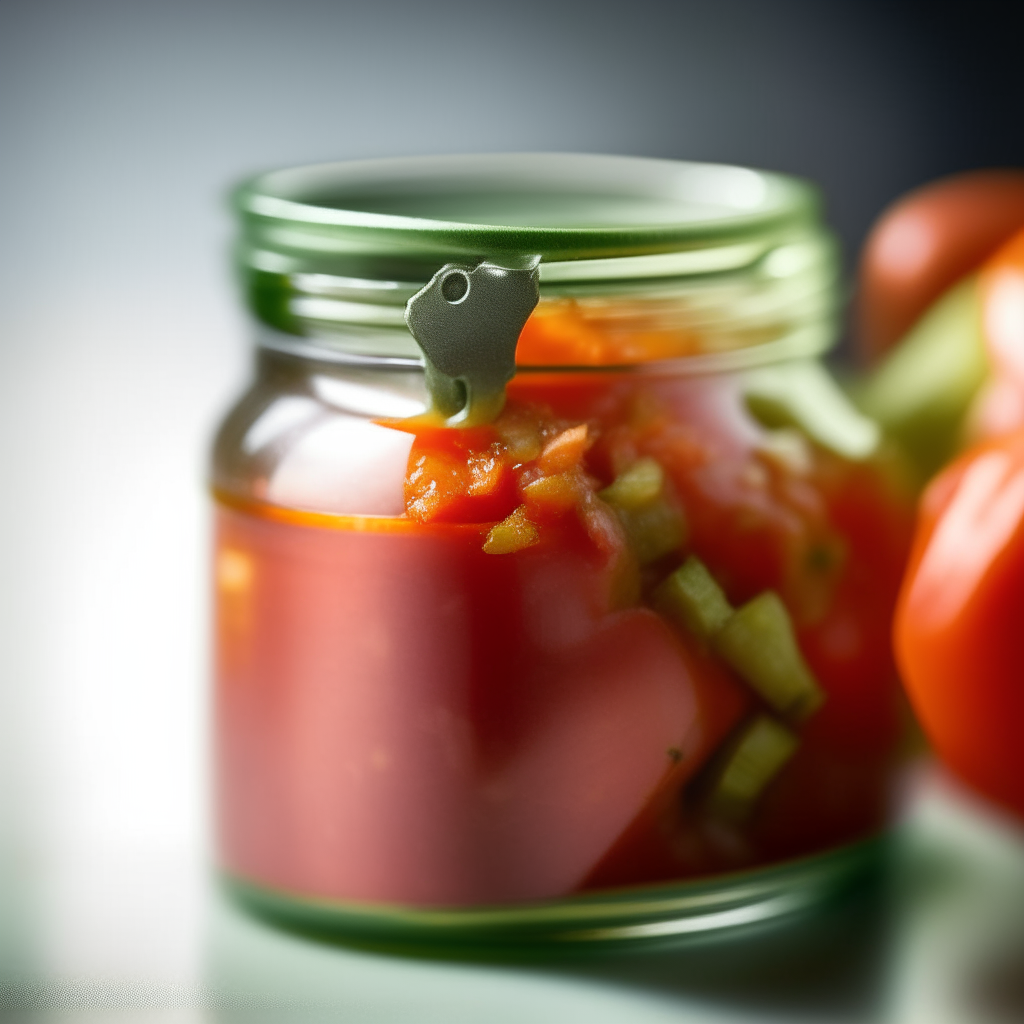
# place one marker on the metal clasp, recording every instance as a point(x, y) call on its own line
point(467, 320)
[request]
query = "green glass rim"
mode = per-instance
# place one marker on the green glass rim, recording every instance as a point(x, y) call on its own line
point(340, 247)
point(613, 918)
point(559, 206)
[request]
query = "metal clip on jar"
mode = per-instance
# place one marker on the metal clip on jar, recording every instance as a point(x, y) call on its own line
point(553, 572)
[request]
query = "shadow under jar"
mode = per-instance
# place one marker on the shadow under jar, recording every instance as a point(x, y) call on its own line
point(607, 663)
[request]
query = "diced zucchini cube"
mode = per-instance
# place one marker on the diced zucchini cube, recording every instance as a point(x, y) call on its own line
point(653, 526)
point(763, 748)
point(758, 642)
point(653, 531)
point(692, 598)
point(637, 486)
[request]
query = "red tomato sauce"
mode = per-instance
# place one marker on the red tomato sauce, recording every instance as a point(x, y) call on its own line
point(479, 702)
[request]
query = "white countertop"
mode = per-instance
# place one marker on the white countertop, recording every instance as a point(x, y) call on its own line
point(131, 937)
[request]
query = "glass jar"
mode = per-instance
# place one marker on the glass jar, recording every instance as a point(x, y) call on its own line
point(601, 656)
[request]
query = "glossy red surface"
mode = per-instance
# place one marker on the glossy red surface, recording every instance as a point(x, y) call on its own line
point(958, 632)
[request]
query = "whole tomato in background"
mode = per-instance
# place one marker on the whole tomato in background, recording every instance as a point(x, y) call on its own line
point(959, 627)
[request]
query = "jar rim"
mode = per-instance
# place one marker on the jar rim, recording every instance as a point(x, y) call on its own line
point(559, 206)
point(339, 249)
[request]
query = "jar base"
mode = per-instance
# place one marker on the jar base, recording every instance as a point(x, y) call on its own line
point(701, 911)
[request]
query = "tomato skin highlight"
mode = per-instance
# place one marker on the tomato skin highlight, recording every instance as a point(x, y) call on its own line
point(925, 242)
point(958, 632)
point(1002, 296)
point(999, 408)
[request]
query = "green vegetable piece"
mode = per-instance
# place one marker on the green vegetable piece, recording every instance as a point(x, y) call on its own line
point(638, 486)
point(653, 526)
point(758, 642)
point(757, 758)
point(653, 531)
point(692, 598)
point(922, 391)
point(804, 395)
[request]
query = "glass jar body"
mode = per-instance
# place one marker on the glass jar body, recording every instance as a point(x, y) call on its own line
point(410, 715)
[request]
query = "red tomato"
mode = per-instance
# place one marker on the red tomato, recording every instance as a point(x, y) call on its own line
point(926, 242)
point(959, 639)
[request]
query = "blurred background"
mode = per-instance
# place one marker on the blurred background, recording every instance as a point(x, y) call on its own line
point(122, 126)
